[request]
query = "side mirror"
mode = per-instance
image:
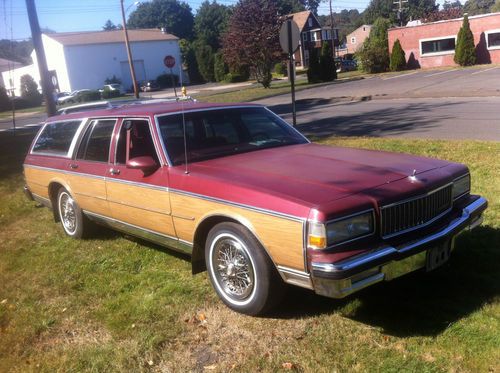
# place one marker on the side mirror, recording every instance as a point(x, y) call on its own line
point(144, 163)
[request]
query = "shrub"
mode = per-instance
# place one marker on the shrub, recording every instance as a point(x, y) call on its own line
point(313, 72)
point(89, 96)
point(398, 57)
point(281, 69)
point(374, 53)
point(327, 69)
point(29, 90)
point(465, 52)
point(165, 80)
point(4, 100)
point(108, 93)
point(189, 61)
point(220, 67)
point(235, 78)
point(113, 80)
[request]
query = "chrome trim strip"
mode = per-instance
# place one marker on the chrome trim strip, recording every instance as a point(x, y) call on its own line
point(65, 171)
point(226, 202)
point(174, 243)
point(44, 201)
point(362, 259)
point(295, 277)
point(138, 184)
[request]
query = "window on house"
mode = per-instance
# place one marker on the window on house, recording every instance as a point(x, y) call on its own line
point(493, 39)
point(304, 36)
point(353, 40)
point(364, 28)
point(310, 22)
point(438, 45)
point(315, 36)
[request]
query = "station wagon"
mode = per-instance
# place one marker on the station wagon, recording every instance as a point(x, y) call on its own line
point(249, 198)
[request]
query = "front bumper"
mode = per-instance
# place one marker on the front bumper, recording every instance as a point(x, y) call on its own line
point(337, 280)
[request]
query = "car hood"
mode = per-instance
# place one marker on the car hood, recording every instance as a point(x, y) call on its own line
point(311, 173)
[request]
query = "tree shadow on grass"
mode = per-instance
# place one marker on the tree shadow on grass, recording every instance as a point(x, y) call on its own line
point(381, 122)
point(420, 303)
point(13, 149)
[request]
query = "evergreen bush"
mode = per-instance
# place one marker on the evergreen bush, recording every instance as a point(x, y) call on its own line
point(281, 69)
point(29, 91)
point(205, 60)
point(220, 67)
point(465, 51)
point(374, 53)
point(398, 57)
point(328, 71)
point(313, 72)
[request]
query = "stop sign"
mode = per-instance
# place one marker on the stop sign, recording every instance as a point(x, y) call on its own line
point(169, 61)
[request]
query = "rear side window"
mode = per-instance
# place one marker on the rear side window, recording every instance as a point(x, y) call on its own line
point(56, 138)
point(96, 141)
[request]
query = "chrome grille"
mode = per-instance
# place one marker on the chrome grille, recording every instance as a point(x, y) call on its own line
point(410, 214)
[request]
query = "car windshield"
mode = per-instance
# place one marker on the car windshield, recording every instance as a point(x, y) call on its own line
point(223, 132)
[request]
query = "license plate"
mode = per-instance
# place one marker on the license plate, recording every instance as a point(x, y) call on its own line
point(437, 256)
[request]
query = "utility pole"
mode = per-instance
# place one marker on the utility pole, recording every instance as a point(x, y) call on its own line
point(400, 9)
point(47, 86)
point(331, 31)
point(129, 53)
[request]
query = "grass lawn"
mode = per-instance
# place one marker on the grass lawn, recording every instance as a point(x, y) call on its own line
point(31, 110)
point(113, 303)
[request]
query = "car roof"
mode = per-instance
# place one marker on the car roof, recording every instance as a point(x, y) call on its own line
point(147, 109)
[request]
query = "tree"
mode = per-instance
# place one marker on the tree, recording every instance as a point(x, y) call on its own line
point(220, 67)
point(210, 23)
point(385, 9)
point(398, 58)
point(327, 69)
point(205, 60)
point(29, 90)
point(110, 26)
point(474, 7)
point(465, 51)
point(313, 71)
point(18, 51)
point(4, 99)
point(452, 5)
point(188, 56)
point(495, 7)
point(252, 39)
point(174, 16)
point(374, 53)
point(285, 7)
point(444, 14)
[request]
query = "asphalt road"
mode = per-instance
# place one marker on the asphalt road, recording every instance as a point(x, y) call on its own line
point(423, 104)
point(438, 104)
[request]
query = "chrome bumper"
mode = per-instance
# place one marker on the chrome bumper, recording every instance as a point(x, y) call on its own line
point(337, 280)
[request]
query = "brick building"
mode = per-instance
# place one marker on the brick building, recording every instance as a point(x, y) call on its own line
point(433, 44)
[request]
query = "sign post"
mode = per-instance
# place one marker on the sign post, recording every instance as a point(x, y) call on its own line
point(289, 40)
point(169, 62)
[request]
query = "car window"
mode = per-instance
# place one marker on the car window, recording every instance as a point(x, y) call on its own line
point(140, 141)
point(96, 141)
point(222, 132)
point(56, 138)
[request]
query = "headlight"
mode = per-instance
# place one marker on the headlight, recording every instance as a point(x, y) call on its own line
point(349, 228)
point(461, 185)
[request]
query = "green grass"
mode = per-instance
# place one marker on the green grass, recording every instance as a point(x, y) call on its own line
point(113, 303)
point(31, 110)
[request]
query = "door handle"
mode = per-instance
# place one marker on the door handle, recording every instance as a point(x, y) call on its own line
point(114, 171)
point(73, 166)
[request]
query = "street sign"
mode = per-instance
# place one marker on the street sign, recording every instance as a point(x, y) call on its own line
point(169, 61)
point(284, 37)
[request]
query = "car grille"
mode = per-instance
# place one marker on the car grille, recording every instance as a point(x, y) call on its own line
point(407, 215)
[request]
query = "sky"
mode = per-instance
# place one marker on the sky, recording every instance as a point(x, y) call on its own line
point(91, 15)
point(88, 15)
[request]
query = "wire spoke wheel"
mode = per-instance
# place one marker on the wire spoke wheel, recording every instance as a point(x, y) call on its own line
point(233, 268)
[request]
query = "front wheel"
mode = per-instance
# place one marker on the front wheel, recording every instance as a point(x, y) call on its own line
point(240, 270)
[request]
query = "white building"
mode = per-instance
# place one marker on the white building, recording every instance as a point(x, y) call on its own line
point(84, 60)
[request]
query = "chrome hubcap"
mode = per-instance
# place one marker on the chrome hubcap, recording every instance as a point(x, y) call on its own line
point(68, 215)
point(233, 268)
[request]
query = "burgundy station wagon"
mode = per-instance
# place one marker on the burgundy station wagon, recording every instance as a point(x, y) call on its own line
point(249, 198)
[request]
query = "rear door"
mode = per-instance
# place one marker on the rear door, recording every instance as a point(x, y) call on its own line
point(90, 165)
point(137, 198)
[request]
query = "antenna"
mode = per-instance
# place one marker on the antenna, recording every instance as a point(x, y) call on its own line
point(186, 170)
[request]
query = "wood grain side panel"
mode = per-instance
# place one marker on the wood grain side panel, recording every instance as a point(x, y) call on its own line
point(38, 180)
point(141, 206)
point(283, 238)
